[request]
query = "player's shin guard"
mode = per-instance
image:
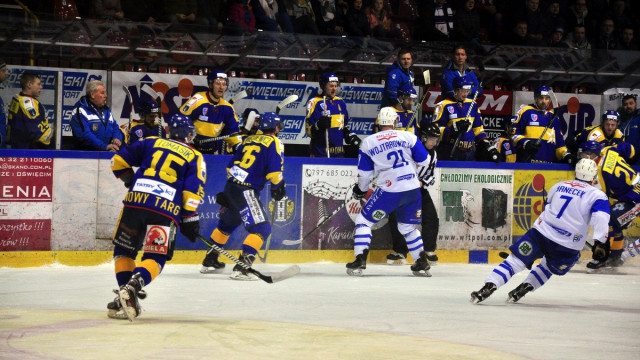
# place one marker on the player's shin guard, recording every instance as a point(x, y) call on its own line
point(362, 237)
point(211, 264)
point(538, 275)
point(502, 273)
point(413, 238)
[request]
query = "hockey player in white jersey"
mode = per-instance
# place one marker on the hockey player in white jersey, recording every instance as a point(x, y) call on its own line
point(392, 157)
point(557, 236)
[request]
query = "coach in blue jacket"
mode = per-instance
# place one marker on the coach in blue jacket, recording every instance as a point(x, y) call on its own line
point(398, 74)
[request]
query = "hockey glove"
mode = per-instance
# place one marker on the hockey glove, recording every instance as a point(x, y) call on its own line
point(357, 193)
point(190, 227)
point(323, 123)
point(461, 126)
point(221, 199)
point(127, 178)
point(569, 158)
point(277, 193)
point(428, 181)
point(354, 140)
point(600, 251)
point(490, 151)
point(531, 147)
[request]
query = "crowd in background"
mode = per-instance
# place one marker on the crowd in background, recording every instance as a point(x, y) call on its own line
point(598, 24)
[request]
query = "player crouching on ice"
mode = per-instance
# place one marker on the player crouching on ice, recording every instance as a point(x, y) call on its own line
point(392, 157)
point(557, 236)
point(148, 219)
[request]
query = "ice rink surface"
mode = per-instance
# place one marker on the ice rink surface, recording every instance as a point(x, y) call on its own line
point(58, 312)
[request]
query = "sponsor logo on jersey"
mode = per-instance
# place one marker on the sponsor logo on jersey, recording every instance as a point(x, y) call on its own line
point(525, 248)
point(405, 177)
point(378, 215)
point(155, 187)
point(386, 136)
point(156, 239)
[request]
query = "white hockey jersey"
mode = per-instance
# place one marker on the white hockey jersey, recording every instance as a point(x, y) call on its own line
point(570, 208)
point(392, 157)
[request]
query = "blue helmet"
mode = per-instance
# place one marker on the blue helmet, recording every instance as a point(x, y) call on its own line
point(590, 146)
point(327, 78)
point(610, 115)
point(181, 127)
point(542, 90)
point(148, 107)
point(270, 120)
point(217, 74)
point(462, 82)
point(407, 91)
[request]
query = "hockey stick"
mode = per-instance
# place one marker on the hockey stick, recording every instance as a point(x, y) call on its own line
point(128, 94)
point(206, 141)
point(427, 81)
point(296, 242)
point(288, 100)
point(156, 97)
point(241, 95)
point(326, 131)
point(284, 274)
point(473, 102)
point(266, 247)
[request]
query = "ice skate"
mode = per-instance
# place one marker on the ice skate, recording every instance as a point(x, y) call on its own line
point(485, 292)
point(129, 297)
point(355, 267)
point(608, 266)
point(594, 266)
point(240, 273)
point(396, 259)
point(210, 264)
point(421, 266)
point(115, 309)
point(519, 292)
point(432, 257)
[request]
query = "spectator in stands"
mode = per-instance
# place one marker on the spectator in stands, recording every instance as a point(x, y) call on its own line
point(630, 121)
point(627, 40)
point(535, 20)
point(28, 125)
point(520, 35)
point(606, 38)
point(437, 20)
point(467, 22)
point(302, 15)
point(356, 21)
point(271, 17)
point(553, 19)
point(108, 9)
point(578, 39)
point(491, 17)
point(399, 73)
point(455, 68)
point(142, 10)
point(241, 18)
point(4, 72)
point(329, 17)
point(579, 14)
point(181, 11)
point(380, 21)
point(211, 14)
point(92, 124)
point(557, 39)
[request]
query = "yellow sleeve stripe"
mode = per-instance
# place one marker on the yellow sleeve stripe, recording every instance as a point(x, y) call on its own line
point(208, 129)
point(118, 163)
point(275, 177)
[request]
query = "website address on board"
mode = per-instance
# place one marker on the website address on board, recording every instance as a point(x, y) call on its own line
point(481, 237)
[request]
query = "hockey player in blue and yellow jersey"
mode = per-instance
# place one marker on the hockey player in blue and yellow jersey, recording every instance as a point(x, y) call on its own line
point(28, 125)
point(451, 116)
point(163, 193)
point(259, 159)
point(327, 121)
point(213, 116)
point(535, 122)
point(504, 143)
point(622, 185)
point(149, 124)
point(406, 98)
point(607, 133)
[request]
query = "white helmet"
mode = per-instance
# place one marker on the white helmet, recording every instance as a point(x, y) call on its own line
point(388, 116)
point(586, 170)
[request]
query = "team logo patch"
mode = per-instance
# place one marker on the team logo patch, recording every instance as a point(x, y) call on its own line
point(525, 248)
point(94, 127)
point(156, 239)
point(139, 134)
point(451, 109)
point(205, 111)
point(378, 215)
point(534, 117)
